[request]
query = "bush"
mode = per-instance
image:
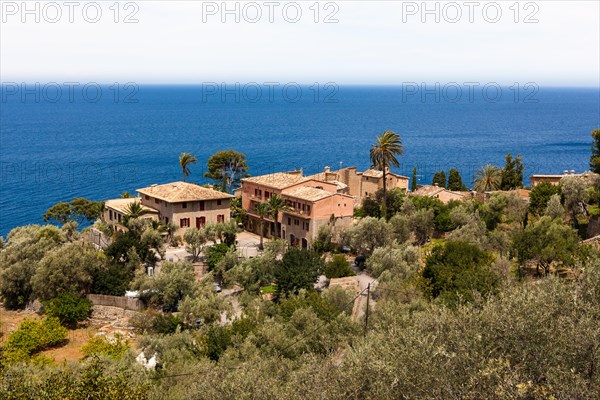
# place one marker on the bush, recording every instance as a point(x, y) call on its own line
point(214, 254)
point(69, 308)
point(113, 281)
point(338, 267)
point(166, 323)
point(298, 269)
point(114, 348)
point(32, 337)
point(456, 270)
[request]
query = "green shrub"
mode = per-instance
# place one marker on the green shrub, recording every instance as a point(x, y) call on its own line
point(166, 323)
point(32, 337)
point(69, 308)
point(456, 270)
point(113, 281)
point(114, 348)
point(338, 267)
point(214, 254)
point(218, 340)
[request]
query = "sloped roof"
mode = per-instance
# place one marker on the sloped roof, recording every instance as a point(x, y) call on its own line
point(177, 192)
point(121, 205)
point(278, 180)
point(428, 190)
point(375, 173)
point(308, 193)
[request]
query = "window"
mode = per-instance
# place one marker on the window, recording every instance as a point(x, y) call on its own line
point(307, 226)
point(308, 209)
point(200, 222)
point(201, 206)
point(184, 223)
point(119, 217)
point(267, 195)
point(157, 201)
point(221, 218)
point(258, 193)
point(166, 220)
point(296, 222)
point(289, 221)
point(219, 202)
point(183, 205)
point(110, 214)
point(147, 197)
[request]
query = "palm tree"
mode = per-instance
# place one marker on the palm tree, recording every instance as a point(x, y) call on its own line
point(262, 210)
point(186, 159)
point(134, 210)
point(487, 178)
point(276, 204)
point(383, 154)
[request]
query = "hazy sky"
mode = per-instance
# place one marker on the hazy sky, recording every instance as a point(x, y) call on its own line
point(372, 42)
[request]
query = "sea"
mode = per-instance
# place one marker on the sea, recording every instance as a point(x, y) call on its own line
point(59, 141)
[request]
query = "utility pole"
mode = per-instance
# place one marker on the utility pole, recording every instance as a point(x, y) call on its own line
point(367, 311)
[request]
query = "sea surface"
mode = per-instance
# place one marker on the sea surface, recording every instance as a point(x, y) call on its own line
point(100, 141)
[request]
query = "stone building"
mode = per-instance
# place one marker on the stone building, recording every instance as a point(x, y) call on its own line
point(310, 203)
point(185, 204)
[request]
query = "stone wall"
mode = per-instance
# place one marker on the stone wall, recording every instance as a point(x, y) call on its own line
point(126, 303)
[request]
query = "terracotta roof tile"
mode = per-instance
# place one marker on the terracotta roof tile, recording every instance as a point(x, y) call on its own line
point(121, 205)
point(278, 180)
point(308, 193)
point(178, 192)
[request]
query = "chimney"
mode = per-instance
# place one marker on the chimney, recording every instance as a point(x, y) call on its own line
point(565, 172)
point(572, 172)
point(327, 169)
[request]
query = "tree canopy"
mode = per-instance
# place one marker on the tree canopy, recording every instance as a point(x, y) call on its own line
point(298, 269)
point(226, 168)
point(78, 210)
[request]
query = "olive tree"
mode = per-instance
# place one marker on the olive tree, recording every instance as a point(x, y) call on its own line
point(69, 268)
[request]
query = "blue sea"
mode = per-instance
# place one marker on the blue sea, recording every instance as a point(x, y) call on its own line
point(57, 143)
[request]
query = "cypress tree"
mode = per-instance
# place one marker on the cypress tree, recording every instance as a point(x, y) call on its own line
point(455, 181)
point(439, 178)
point(512, 173)
point(413, 184)
point(595, 158)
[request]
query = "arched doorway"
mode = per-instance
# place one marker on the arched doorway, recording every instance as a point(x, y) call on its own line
point(304, 243)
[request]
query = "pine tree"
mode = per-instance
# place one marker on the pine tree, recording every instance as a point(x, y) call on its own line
point(413, 184)
point(439, 179)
